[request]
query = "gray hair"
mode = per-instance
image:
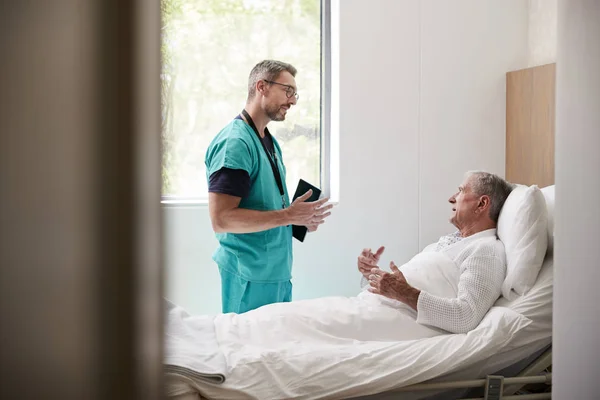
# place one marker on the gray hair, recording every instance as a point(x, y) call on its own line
point(493, 186)
point(268, 70)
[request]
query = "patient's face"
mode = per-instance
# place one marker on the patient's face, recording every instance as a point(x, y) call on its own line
point(464, 203)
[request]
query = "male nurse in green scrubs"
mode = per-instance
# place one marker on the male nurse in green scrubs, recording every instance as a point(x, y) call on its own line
point(248, 201)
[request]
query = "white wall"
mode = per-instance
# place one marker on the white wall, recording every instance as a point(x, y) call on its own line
point(577, 254)
point(542, 32)
point(466, 49)
point(422, 89)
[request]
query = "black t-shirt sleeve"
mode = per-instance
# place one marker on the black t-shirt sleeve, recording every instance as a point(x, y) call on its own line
point(234, 182)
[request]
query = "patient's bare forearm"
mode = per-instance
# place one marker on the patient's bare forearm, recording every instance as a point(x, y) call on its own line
point(241, 220)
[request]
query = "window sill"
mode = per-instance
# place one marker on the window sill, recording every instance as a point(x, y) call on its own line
point(183, 203)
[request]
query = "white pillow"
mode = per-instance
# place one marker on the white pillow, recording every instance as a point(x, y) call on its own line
point(548, 193)
point(522, 227)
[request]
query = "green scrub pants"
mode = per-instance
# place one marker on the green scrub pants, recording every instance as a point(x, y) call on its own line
point(239, 295)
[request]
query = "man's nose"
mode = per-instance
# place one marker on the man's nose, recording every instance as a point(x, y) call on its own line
point(452, 199)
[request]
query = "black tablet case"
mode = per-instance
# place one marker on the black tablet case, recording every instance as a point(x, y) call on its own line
point(298, 231)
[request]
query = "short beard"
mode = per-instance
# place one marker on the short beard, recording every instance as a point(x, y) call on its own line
point(273, 113)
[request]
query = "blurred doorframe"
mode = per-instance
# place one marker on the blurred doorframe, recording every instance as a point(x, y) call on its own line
point(80, 222)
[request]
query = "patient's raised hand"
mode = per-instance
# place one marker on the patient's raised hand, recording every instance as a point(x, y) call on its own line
point(367, 261)
point(393, 285)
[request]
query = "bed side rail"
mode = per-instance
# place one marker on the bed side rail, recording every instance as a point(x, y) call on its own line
point(499, 387)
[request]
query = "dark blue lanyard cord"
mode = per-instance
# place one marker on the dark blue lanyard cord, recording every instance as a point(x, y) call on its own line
point(273, 164)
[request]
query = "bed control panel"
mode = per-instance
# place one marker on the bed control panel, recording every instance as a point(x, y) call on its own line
point(494, 385)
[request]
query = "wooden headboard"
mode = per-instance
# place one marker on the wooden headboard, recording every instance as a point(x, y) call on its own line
point(530, 105)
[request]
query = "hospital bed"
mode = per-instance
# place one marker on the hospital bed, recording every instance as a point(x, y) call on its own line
point(490, 360)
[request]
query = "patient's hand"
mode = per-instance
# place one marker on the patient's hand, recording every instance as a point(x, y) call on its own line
point(367, 261)
point(393, 285)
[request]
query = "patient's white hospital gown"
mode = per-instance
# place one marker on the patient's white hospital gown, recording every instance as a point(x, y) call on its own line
point(482, 264)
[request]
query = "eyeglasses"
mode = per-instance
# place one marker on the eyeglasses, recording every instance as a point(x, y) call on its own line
point(289, 90)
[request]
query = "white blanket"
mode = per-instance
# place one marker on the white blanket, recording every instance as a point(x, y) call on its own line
point(332, 347)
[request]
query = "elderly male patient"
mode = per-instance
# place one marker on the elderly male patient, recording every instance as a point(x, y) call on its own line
point(474, 248)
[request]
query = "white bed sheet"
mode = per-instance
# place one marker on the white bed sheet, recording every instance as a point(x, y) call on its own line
point(390, 368)
point(349, 370)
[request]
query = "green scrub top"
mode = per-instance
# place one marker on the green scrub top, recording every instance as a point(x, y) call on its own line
point(264, 256)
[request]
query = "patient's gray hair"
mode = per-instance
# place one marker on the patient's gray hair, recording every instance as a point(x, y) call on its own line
point(484, 183)
point(268, 70)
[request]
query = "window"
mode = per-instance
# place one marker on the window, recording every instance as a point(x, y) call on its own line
point(209, 48)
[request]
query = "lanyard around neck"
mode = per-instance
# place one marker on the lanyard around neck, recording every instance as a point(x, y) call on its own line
point(273, 165)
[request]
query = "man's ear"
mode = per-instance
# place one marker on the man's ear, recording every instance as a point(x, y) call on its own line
point(484, 202)
point(261, 85)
